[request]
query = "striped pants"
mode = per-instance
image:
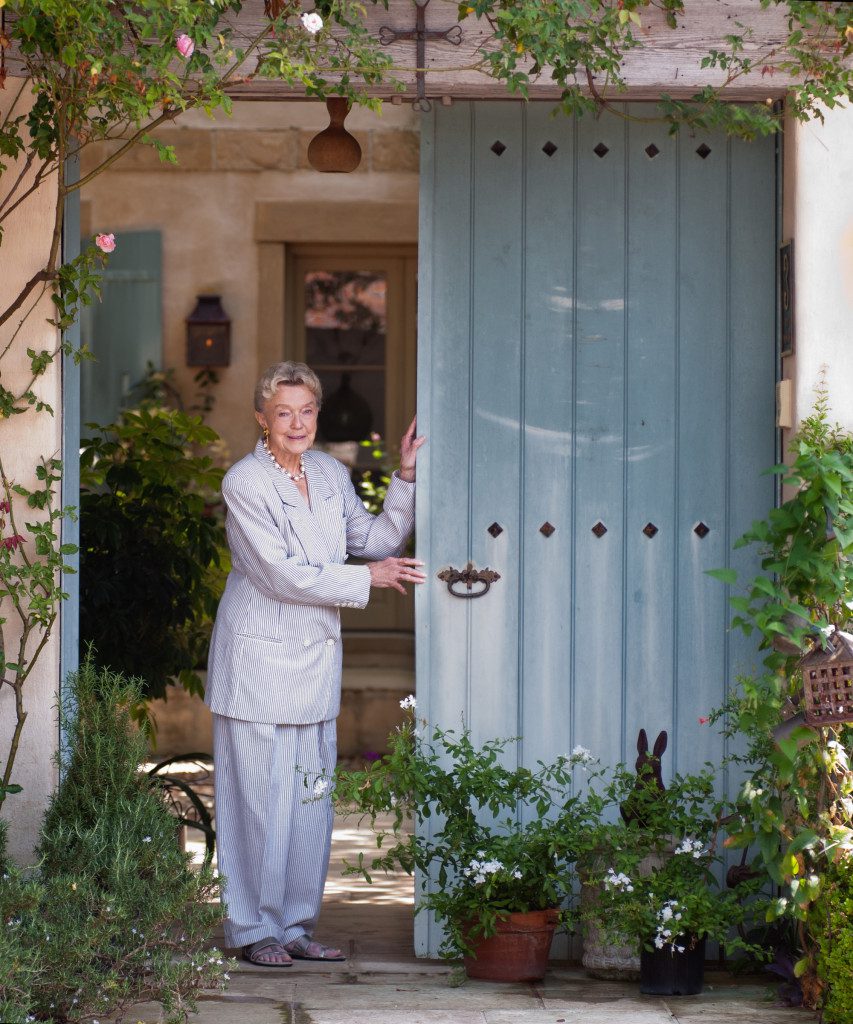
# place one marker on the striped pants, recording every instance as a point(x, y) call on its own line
point(272, 845)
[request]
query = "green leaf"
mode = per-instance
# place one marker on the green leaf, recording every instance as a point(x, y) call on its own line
point(723, 575)
point(803, 840)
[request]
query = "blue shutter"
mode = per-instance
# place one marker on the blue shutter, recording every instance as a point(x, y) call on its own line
point(125, 329)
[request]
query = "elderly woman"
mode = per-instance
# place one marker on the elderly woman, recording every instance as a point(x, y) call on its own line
point(274, 680)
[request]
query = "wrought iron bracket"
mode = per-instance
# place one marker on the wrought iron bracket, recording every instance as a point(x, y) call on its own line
point(421, 34)
point(469, 576)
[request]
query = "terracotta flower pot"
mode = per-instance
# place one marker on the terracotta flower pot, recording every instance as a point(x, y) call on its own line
point(518, 951)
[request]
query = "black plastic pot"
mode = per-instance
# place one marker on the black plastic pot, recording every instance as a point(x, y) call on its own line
point(666, 972)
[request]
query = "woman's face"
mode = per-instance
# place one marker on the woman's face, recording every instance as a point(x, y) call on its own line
point(290, 415)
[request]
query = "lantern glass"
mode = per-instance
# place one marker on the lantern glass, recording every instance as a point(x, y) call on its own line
point(208, 333)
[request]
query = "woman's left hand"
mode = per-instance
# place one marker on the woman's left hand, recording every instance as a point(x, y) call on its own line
point(409, 451)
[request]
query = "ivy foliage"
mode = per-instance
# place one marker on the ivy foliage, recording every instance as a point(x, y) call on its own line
point(580, 46)
point(796, 808)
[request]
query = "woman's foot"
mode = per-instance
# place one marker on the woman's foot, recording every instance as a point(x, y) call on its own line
point(267, 953)
point(304, 948)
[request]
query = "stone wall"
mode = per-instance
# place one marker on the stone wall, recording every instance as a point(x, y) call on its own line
point(818, 216)
point(206, 209)
point(23, 440)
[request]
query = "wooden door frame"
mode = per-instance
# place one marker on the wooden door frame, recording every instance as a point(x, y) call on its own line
point(399, 264)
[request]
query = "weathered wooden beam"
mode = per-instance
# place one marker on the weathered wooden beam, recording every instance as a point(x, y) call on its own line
point(668, 61)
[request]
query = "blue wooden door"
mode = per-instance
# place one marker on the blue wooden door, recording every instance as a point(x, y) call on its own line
point(125, 329)
point(596, 356)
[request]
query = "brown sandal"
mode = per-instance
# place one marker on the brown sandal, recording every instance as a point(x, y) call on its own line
point(255, 949)
point(304, 948)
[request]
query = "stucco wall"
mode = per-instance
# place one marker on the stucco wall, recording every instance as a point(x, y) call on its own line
point(23, 439)
point(818, 215)
point(205, 208)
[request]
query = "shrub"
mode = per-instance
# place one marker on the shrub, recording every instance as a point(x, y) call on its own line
point(151, 549)
point(114, 914)
point(835, 941)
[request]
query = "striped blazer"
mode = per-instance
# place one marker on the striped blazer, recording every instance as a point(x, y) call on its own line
point(275, 654)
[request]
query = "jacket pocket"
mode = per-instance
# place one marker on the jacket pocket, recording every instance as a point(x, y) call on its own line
point(263, 619)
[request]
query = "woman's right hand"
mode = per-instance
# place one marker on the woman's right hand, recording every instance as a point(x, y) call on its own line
point(394, 572)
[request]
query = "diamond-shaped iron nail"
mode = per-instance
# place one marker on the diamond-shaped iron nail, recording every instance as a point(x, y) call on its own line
point(599, 529)
point(703, 151)
point(498, 147)
point(601, 150)
point(650, 529)
point(549, 149)
point(547, 529)
point(652, 151)
point(701, 530)
point(495, 529)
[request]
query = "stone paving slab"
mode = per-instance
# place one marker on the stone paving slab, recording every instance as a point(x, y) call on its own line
point(402, 1016)
point(582, 1015)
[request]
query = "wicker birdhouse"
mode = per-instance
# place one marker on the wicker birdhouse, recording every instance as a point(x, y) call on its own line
point(828, 681)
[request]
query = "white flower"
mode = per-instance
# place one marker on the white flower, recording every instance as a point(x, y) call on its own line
point(620, 881)
point(695, 847)
point(320, 787)
point(146, 839)
point(659, 943)
point(393, 800)
point(582, 755)
point(408, 702)
point(516, 873)
point(311, 22)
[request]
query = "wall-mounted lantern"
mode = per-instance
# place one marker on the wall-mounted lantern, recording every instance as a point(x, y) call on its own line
point(334, 150)
point(208, 333)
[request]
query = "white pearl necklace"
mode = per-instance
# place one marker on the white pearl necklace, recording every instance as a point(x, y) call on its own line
point(293, 476)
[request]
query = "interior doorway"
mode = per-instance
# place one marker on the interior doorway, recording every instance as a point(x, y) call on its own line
point(351, 314)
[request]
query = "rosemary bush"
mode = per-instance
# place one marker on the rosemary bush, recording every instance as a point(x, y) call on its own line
point(113, 914)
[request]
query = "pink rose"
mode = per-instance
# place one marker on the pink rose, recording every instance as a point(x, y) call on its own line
point(106, 243)
point(703, 719)
point(185, 45)
point(10, 543)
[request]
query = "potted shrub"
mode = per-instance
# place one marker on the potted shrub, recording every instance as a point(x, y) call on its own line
point(661, 880)
point(501, 854)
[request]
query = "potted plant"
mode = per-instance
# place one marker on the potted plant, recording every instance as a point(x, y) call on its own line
point(660, 882)
point(500, 854)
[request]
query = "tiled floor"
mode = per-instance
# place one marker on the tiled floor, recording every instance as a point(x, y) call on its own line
point(383, 983)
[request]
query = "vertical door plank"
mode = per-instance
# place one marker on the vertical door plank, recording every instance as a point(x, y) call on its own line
point(699, 606)
point(495, 429)
point(649, 467)
point(443, 413)
point(752, 440)
point(599, 394)
point(546, 580)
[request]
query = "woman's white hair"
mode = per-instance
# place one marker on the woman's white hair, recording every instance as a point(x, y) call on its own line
point(287, 373)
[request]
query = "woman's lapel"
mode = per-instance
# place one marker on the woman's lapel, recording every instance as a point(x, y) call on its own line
point(315, 527)
point(305, 525)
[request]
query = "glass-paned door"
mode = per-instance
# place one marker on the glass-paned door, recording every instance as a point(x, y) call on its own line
point(352, 318)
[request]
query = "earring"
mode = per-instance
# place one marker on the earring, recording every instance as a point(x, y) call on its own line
point(266, 434)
